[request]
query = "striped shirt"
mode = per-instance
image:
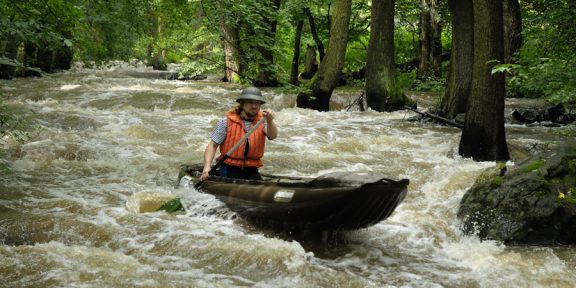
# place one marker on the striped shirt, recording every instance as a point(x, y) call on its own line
point(219, 133)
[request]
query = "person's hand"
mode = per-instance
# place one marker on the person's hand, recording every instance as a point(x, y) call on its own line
point(269, 114)
point(205, 174)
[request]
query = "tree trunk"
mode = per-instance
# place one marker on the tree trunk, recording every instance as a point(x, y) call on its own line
point(430, 40)
point(436, 39)
point(266, 70)
point(296, 55)
point(331, 66)
point(425, 37)
point(314, 33)
point(30, 59)
point(458, 84)
point(158, 53)
point(382, 91)
point(63, 58)
point(483, 137)
point(44, 59)
point(10, 52)
point(512, 29)
point(310, 63)
point(231, 41)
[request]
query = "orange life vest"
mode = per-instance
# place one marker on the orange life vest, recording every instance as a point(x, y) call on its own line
point(234, 132)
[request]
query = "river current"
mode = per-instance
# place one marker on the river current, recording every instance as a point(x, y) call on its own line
point(100, 136)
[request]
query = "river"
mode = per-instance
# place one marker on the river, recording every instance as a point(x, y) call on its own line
point(100, 136)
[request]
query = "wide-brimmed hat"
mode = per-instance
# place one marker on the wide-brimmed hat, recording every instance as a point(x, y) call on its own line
point(251, 93)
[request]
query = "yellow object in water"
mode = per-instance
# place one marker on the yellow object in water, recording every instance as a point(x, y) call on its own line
point(143, 202)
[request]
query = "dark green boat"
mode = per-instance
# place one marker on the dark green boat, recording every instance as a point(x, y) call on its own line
point(335, 201)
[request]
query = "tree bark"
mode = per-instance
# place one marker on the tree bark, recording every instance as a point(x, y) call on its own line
point(436, 38)
point(430, 40)
point(296, 55)
point(44, 59)
point(158, 53)
point(310, 63)
point(459, 82)
point(63, 58)
point(425, 45)
point(512, 29)
point(10, 52)
point(30, 59)
point(231, 41)
point(314, 33)
point(483, 137)
point(328, 75)
point(382, 91)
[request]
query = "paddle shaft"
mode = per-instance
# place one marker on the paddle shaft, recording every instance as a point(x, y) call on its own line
point(221, 161)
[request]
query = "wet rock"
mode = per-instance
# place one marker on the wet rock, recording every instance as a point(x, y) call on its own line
point(533, 203)
point(556, 114)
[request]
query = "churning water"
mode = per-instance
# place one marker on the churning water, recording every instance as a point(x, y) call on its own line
point(102, 135)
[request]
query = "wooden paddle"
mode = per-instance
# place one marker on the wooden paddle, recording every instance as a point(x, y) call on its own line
point(221, 161)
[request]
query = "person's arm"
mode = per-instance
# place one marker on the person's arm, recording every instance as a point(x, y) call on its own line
point(271, 129)
point(208, 157)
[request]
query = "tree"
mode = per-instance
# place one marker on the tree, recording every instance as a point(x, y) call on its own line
point(310, 63)
point(296, 53)
point(314, 32)
point(266, 69)
point(382, 90)
point(326, 79)
point(483, 137)
point(430, 40)
point(36, 36)
point(458, 85)
point(512, 29)
point(231, 43)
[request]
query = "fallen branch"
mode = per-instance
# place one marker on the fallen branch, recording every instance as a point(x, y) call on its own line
point(436, 117)
point(359, 101)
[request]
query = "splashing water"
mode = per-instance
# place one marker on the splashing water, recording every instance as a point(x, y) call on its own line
point(103, 135)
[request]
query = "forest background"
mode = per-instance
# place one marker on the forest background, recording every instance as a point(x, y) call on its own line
point(192, 33)
point(285, 43)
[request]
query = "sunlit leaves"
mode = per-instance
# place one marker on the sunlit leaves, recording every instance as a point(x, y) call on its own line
point(547, 57)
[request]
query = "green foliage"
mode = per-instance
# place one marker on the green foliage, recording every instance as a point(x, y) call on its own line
point(358, 37)
point(546, 60)
point(356, 53)
point(429, 84)
point(172, 206)
point(252, 20)
point(405, 44)
point(496, 181)
point(195, 68)
point(189, 33)
point(405, 80)
point(568, 198)
point(533, 166)
point(504, 68)
point(572, 167)
point(552, 79)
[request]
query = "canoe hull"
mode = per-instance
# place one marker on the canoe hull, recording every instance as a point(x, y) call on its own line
point(307, 205)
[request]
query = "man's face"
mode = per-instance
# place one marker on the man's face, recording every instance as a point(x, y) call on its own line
point(251, 107)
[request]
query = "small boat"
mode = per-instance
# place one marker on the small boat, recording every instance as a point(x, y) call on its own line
point(335, 201)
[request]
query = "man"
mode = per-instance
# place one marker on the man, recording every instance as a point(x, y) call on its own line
point(244, 162)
